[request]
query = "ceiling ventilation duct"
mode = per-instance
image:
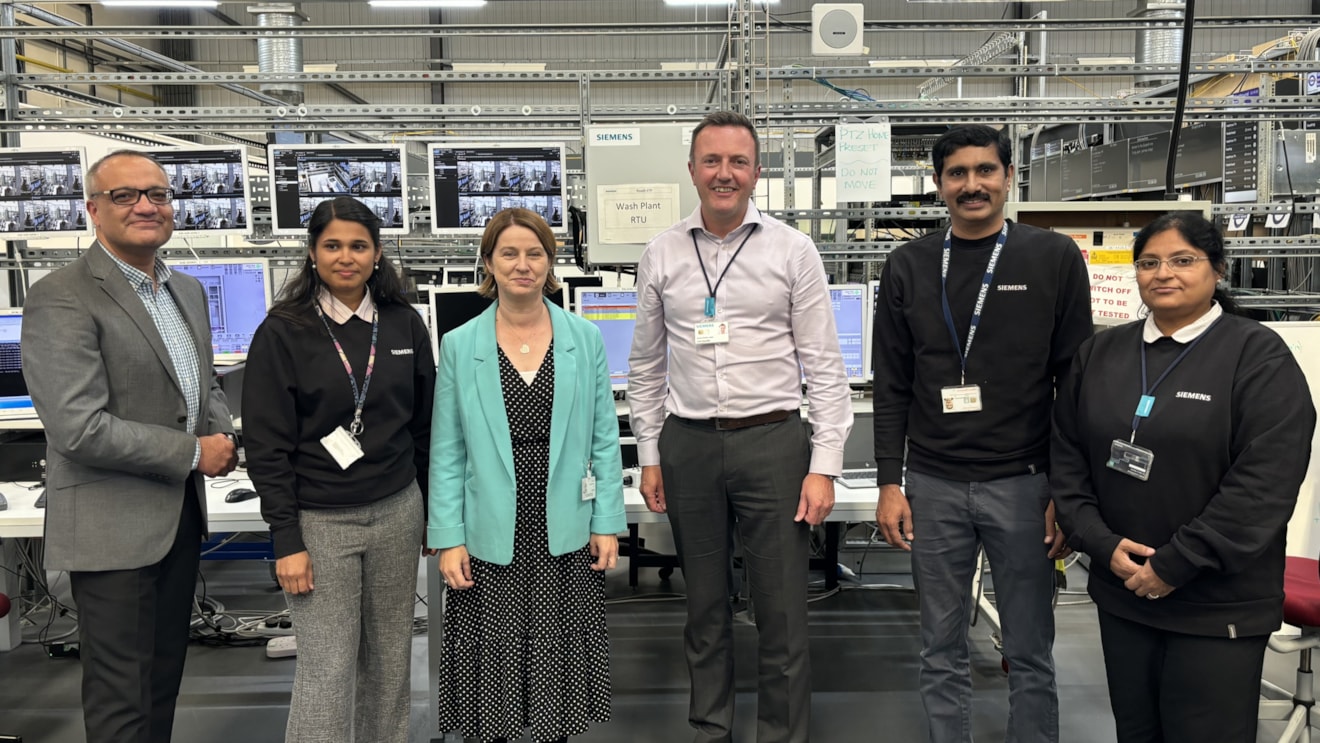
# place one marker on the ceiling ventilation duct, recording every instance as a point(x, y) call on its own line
point(276, 55)
point(1159, 45)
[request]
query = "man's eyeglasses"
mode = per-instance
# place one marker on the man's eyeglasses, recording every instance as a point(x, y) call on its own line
point(1176, 263)
point(131, 196)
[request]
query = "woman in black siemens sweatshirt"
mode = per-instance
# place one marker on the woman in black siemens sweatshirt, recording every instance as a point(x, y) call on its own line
point(337, 428)
point(1178, 449)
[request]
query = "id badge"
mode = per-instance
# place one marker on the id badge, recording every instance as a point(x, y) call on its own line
point(1130, 459)
point(712, 332)
point(342, 446)
point(589, 487)
point(962, 399)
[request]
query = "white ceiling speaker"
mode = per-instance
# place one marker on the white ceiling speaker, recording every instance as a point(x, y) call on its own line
point(836, 29)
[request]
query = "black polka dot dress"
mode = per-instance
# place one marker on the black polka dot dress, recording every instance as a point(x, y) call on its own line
point(526, 647)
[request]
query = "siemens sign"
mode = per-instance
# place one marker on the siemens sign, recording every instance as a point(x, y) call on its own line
point(616, 137)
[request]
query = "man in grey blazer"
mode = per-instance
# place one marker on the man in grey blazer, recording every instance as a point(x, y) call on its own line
point(117, 356)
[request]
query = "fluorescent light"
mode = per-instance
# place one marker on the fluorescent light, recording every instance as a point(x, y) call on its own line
point(499, 67)
point(426, 3)
point(161, 3)
point(717, 2)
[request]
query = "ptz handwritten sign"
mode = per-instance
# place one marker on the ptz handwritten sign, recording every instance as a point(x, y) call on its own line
point(862, 153)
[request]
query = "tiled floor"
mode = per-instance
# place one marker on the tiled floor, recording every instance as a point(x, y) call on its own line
point(864, 653)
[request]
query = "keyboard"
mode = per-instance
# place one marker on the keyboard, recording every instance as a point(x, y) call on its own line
point(858, 478)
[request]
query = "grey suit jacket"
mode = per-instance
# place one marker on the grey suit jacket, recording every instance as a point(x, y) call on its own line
point(118, 452)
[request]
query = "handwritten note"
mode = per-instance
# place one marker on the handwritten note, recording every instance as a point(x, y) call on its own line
point(862, 153)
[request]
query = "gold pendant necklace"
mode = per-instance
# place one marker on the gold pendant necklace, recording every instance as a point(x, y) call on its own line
point(524, 349)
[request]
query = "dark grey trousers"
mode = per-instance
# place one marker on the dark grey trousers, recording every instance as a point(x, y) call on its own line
point(750, 479)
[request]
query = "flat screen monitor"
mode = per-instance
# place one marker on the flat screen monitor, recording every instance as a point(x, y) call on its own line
point(1036, 186)
point(1200, 154)
point(852, 305)
point(238, 295)
point(1053, 177)
point(1241, 158)
point(1109, 163)
point(453, 305)
point(15, 402)
point(1148, 157)
point(471, 181)
point(304, 175)
point(614, 311)
point(575, 285)
point(211, 193)
point(41, 193)
point(1075, 178)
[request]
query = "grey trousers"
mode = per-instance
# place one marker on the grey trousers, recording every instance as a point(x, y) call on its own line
point(949, 520)
point(355, 629)
point(750, 479)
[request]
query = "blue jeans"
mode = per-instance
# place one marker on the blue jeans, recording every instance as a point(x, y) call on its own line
point(950, 519)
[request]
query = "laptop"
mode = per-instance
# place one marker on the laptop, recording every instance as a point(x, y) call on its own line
point(859, 469)
point(15, 402)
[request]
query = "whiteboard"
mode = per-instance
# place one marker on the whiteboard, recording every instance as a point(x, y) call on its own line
point(1304, 528)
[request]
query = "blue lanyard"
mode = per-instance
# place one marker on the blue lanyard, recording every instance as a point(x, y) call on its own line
point(710, 300)
point(1147, 400)
point(980, 297)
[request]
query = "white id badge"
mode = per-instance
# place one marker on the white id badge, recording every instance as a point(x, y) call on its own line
point(962, 399)
point(342, 446)
point(712, 332)
point(589, 487)
point(1130, 459)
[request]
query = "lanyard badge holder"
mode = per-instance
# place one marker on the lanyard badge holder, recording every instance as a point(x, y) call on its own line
point(965, 398)
point(1127, 457)
point(709, 331)
point(341, 444)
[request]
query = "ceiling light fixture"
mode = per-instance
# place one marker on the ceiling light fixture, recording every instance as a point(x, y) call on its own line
point(160, 3)
point(426, 3)
point(690, 3)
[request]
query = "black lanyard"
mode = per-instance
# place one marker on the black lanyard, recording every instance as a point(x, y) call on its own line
point(359, 396)
point(980, 297)
point(710, 300)
point(1147, 400)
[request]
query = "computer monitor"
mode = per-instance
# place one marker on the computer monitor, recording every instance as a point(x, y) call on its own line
point(852, 305)
point(614, 311)
point(41, 193)
point(15, 402)
point(238, 296)
point(1200, 154)
point(211, 193)
point(304, 175)
point(575, 284)
point(1148, 157)
point(451, 306)
point(471, 181)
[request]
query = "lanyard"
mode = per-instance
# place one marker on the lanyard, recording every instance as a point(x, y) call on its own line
point(980, 297)
point(710, 300)
point(1147, 400)
point(359, 396)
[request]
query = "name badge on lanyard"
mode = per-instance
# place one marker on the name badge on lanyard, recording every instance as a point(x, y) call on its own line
point(343, 445)
point(963, 397)
point(712, 332)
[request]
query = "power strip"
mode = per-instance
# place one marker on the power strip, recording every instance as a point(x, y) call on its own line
point(282, 647)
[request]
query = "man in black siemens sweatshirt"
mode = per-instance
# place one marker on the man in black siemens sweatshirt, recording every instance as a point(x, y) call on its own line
point(973, 326)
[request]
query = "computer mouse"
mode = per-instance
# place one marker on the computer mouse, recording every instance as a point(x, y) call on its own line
point(238, 495)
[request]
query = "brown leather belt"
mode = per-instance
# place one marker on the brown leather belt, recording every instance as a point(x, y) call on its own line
point(734, 424)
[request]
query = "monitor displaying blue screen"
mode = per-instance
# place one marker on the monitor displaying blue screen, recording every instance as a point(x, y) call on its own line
point(614, 311)
point(852, 310)
point(238, 296)
point(14, 399)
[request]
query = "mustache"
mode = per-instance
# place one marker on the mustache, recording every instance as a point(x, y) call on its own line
point(978, 195)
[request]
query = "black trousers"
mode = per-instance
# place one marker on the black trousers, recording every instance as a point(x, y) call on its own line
point(1167, 687)
point(133, 627)
point(750, 479)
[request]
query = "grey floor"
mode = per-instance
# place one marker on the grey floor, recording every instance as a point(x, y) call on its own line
point(864, 648)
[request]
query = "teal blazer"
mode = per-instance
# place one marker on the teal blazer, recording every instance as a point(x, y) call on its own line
point(472, 498)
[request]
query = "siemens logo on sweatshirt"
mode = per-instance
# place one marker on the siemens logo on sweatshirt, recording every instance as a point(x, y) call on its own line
point(1193, 396)
point(401, 351)
point(1012, 287)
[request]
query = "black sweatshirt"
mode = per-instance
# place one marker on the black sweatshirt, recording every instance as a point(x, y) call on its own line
point(1231, 432)
point(1036, 314)
point(296, 391)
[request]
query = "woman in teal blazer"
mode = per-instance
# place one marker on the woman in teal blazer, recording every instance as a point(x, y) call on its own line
point(526, 496)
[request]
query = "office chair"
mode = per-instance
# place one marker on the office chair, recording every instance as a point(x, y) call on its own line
point(1301, 608)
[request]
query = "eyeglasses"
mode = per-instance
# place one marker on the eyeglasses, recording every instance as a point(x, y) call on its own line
point(131, 196)
point(1177, 263)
